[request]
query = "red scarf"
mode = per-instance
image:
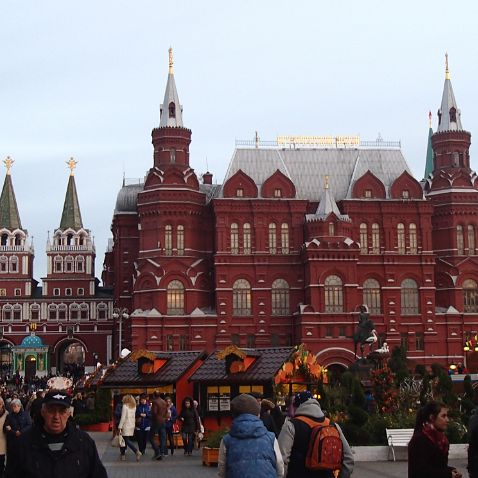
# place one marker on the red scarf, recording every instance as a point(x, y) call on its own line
point(437, 437)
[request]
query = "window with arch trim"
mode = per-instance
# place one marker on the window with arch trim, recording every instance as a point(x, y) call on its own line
point(69, 264)
point(17, 312)
point(471, 240)
point(84, 312)
point(375, 238)
point(62, 311)
point(4, 240)
point(52, 312)
point(3, 264)
point(180, 239)
point(80, 264)
point(58, 264)
point(334, 294)
point(74, 312)
point(35, 312)
point(412, 231)
point(401, 248)
point(234, 238)
point(460, 243)
point(246, 238)
point(175, 298)
point(284, 238)
point(102, 311)
point(371, 296)
point(280, 297)
point(363, 238)
point(168, 239)
point(14, 264)
point(7, 312)
point(409, 297)
point(272, 238)
point(241, 298)
point(470, 296)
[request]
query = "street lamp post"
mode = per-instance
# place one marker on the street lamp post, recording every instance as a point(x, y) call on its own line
point(120, 313)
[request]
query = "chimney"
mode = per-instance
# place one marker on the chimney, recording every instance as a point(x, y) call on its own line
point(207, 178)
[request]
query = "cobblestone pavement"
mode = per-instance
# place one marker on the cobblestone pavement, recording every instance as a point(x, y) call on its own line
point(180, 466)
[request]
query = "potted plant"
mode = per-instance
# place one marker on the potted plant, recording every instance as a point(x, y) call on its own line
point(210, 452)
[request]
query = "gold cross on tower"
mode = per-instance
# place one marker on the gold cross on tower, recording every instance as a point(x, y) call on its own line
point(72, 165)
point(8, 163)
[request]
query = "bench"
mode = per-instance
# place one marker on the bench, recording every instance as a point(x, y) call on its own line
point(397, 437)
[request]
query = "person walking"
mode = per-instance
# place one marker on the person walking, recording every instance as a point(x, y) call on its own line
point(54, 447)
point(126, 426)
point(170, 423)
point(143, 422)
point(16, 423)
point(3, 438)
point(428, 448)
point(159, 415)
point(295, 436)
point(190, 424)
point(249, 449)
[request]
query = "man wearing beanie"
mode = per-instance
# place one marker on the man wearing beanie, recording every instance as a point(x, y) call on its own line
point(249, 450)
point(295, 436)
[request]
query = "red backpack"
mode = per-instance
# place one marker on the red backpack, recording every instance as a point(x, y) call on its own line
point(325, 450)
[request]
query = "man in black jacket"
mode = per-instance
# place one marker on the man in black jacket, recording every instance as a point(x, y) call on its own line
point(55, 448)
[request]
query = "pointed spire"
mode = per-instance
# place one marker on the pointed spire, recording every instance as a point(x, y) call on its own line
point(429, 160)
point(71, 216)
point(448, 114)
point(327, 203)
point(171, 110)
point(9, 217)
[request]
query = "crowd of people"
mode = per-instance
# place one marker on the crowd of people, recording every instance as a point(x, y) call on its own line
point(145, 417)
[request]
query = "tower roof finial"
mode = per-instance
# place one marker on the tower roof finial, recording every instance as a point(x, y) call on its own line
point(171, 62)
point(8, 164)
point(447, 73)
point(326, 185)
point(72, 165)
point(430, 119)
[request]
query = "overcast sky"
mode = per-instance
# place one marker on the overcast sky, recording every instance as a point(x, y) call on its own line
point(85, 79)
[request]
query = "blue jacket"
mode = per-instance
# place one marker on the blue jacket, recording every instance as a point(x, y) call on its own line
point(172, 419)
point(143, 423)
point(250, 449)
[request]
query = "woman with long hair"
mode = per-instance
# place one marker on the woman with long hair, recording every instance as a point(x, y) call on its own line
point(428, 448)
point(190, 424)
point(126, 426)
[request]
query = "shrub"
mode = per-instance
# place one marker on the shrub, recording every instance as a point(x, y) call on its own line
point(456, 432)
point(355, 434)
point(358, 416)
point(214, 438)
point(86, 418)
point(375, 427)
point(103, 405)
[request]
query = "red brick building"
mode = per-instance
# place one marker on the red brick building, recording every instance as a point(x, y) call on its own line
point(296, 237)
point(67, 322)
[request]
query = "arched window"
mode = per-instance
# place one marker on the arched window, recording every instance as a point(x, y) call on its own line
point(69, 264)
point(280, 297)
point(375, 238)
point(4, 240)
point(180, 239)
point(412, 229)
point(470, 296)
point(452, 114)
point(62, 310)
point(471, 240)
point(272, 238)
point(409, 297)
point(172, 110)
point(234, 238)
point(74, 312)
point(334, 295)
point(460, 244)
point(371, 296)
point(175, 298)
point(168, 239)
point(84, 312)
point(102, 311)
point(284, 232)
point(14, 264)
point(401, 238)
point(17, 312)
point(35, 312)
point(241, 298)
point(58, 264)
point(81, 240)
point(246, 231)
point(52, 312)
point(80, 264)
point(7, 312)
point(69, 239)
point(331, 229)
point(18, 240)
point(3, 264)
point(363, 238)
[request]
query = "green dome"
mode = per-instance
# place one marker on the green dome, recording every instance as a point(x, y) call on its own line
point(32, 341)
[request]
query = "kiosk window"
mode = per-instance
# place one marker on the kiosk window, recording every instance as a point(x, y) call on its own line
point(218, 399)
point(251, 388)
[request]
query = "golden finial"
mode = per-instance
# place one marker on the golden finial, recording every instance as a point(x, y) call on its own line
point(326, 186)
point(72, 165)
point(8, 164)
point(430, 118)
point(447, 73)
point(171, 62)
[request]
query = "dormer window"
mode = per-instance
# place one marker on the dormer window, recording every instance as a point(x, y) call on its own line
point(405, 194)
point(172, 110)
point(277, 193)
point(452, 115)
point(239, 192)
point(368, 193)
point(331, 229)
point(439, 117)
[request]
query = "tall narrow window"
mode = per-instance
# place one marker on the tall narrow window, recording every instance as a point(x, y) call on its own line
point(375, 238)
point(14, 264)
point(74, 312)
point(3, 264)
point(180, 239)
point(363, 238)
point(84, 311)
point(4, 240)
point(400, 238)
point(409, 297)
point(251, 341)
point(52, 312)
point(280, 297)
point(460, 246)
point(471, 240)
point(69, 264)
point(246, 240)
point(241, 298)
point(183, 342)
point(235, 339)
point(334, 295)
point(234, 238)
point(470, 296)
point(412, 229)
point(404, 341)
point(331, 229)
point(17, 312)
point(7, 312)
point(58, 264)
point(62, 309)
point(35, 312)
point(169, 343)
point(172, 110)
point(272, 238)
point(419, 341)
point(371, 296)
point(284, 232)
point(168, 239)
point(175, 298)
point(80, 264)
